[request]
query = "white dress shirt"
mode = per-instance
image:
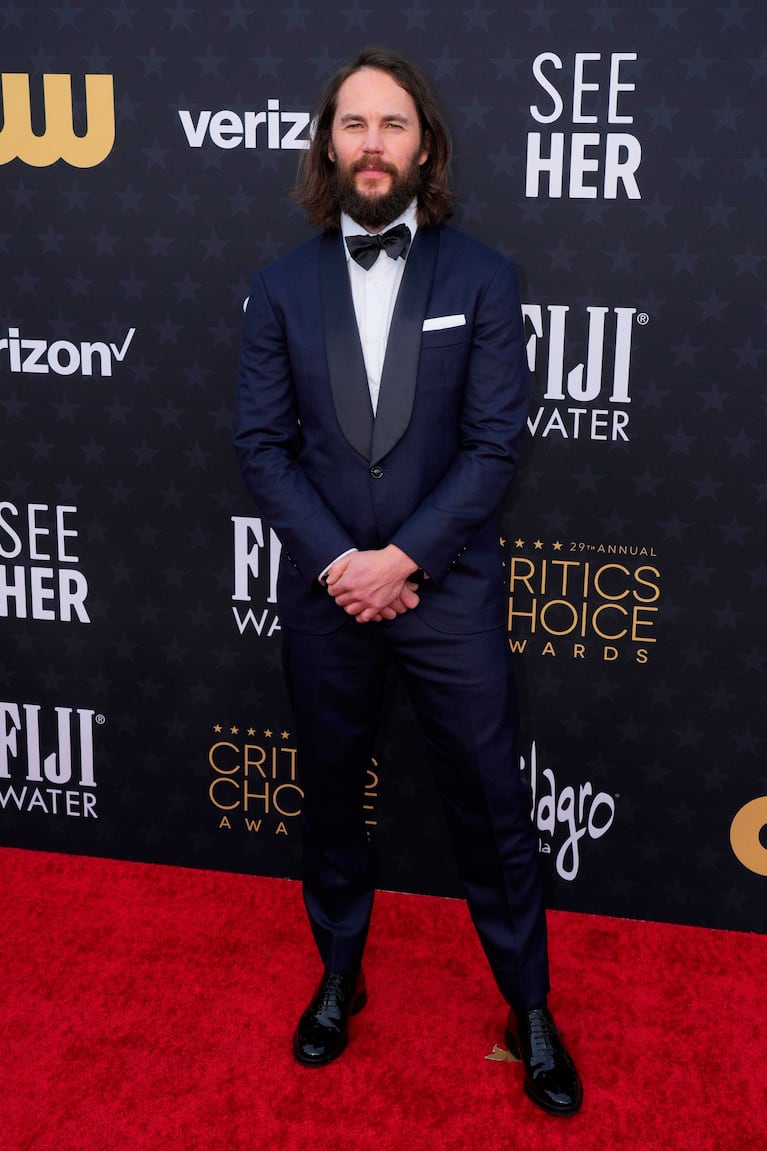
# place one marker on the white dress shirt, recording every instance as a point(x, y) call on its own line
point(374, 292)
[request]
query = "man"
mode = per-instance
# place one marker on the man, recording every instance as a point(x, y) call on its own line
point(382, 398)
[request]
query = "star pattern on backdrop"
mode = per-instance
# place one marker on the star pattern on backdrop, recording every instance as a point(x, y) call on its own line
point(163, 238)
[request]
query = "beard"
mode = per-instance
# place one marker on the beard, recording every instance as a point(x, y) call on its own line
point(376, 210)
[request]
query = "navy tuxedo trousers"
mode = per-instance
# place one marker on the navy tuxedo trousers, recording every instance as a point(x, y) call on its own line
point(462, 690)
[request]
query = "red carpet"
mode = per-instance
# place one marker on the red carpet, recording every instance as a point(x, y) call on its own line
point(151, 1009)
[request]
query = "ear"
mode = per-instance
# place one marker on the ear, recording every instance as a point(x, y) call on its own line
point(425, 147)
point(331, 152)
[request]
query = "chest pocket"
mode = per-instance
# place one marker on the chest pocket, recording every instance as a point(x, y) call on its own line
point(444, 337)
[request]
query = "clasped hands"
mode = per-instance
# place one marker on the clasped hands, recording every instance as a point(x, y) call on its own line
point(374, 585)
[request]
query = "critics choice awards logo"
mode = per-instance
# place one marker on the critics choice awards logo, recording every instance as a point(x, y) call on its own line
point(582, 600)
point(254, 787)
point(39, 576)
point(46, 760)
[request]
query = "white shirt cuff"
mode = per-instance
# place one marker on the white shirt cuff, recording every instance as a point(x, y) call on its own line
point(323, 576)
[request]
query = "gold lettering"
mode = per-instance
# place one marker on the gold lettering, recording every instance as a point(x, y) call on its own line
point(654, 588)
point(598, 611)
point(211, 792)
point(566, 606)
point(263, 795)
point(276, 802)
point(518, 561)
point(58, 141)
point(215, 766)
point(639, 622)
point(255, 756)
point(745, 830)
point(598, 581)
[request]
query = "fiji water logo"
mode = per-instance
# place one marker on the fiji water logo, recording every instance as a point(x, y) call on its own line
point(256, 564)
point(575, 813)
point(47, 760)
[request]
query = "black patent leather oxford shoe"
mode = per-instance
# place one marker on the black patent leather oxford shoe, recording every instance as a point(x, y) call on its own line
point(322, 1032)
point(551, 1079)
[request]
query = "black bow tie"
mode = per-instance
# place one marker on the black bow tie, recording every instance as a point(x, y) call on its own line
point(365, 249)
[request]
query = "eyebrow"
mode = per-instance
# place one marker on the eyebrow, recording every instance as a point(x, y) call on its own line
point(399, 117)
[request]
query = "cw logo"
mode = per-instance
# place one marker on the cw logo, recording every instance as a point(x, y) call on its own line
point(58, 140)
point(745, 835)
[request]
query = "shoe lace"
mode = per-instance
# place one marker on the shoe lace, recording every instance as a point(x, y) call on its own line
point(544, 1040)
point(331, 992)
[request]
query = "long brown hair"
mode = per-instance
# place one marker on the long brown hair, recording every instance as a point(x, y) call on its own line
point(314, 189)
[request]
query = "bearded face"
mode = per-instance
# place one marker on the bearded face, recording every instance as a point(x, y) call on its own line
point(377, 148)
point(369, 206)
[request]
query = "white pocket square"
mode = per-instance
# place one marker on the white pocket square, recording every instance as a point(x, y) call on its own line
point(437, 323)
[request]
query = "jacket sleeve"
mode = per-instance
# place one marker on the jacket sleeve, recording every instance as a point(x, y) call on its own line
point(267, 440)
point(492, 424)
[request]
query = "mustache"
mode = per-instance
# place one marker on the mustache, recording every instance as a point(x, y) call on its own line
point(375, 164)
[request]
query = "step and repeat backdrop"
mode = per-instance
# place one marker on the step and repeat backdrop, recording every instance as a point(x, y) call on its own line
point(616, 153)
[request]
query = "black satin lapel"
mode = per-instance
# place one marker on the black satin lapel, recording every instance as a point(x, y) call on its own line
point(346, 366)
point(403, 348)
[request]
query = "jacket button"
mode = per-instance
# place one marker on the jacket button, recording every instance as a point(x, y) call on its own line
point(376, 472)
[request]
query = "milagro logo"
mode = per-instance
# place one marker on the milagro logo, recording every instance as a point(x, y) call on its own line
point(256, 563)
point(586, 400)
point(272, 128)
point(58, 141)
point(565, 815)
point(23, 355)
point(47, 761)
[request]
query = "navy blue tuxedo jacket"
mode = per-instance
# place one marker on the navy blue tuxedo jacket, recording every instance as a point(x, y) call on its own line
point(430, 470)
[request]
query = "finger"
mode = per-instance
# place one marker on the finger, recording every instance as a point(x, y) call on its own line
point(345, 597)
point(336, 572)
point(355, 606)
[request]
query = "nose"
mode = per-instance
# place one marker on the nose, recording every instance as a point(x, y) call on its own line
point(372, 141)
